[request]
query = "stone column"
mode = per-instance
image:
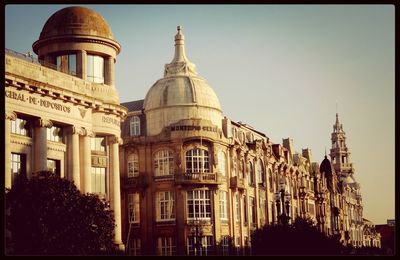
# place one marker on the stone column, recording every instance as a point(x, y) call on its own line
point(81, 64)
point(85, 161)
point(40, 144)
point(115, 190)
point(109, 71)
point(7, 147)
point(73, 155)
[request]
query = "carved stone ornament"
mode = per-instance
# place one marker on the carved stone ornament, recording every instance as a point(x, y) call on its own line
point(114, 139)
point(41, 122)
point(11, 116)
point(89, 132)
point(77, 130)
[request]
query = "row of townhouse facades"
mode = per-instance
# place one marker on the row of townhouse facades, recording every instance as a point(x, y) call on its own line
point(181, 178)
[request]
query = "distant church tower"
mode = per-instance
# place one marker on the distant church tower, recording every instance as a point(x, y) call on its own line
point(352, 210)
point(340, 154)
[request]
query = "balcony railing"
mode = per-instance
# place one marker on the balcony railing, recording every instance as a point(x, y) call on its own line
point(237, 183)
point(193, 178)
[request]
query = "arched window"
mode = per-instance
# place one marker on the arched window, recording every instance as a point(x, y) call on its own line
point(163, 163)
point(260, 172)
point(241, 169)
point(270, 179)
point(197, 160)
point(222, 163)
point(234, 166)
point(250, 173)
point(133, 165)
point(135, 126)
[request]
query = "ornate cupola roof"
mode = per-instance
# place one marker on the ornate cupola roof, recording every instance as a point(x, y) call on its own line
point(181, 94)
point(180, 65)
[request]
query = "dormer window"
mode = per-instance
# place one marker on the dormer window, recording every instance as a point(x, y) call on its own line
point(135, 126)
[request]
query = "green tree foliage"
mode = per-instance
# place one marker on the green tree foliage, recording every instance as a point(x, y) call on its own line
point(47, 215)
point(299, 238)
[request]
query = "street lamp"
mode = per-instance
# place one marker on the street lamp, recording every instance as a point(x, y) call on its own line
point(282, 199)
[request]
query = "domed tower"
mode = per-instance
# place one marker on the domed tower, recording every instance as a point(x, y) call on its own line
point(180, 94)
point(78, 41)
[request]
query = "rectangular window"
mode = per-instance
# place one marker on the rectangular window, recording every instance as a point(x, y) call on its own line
point(19, 127)
point(18, 165)
point(165, 208)
point(133, 165)
point(133, 208)
point(98, 179)
point(199, 204)
point(54, 134)
point(311, 208)
point(223, 205)
point(200, 245)
point(225, 243)
point(54, 166)
point(98, 144)
point(166, 246)
point(237, 207)
point(134, 246)
point(95, 68)
point(252, 204)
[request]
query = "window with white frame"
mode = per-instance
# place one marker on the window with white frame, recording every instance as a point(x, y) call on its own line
point(134, 126)
point(225, 243)
point(18, 165)
point(133, 208)
point(199, 204)
point(203, 246)
point(223, 205)
point(54, 134)
point(134, 246)
point(133, 165)
point(222, 163)
point(163, 163)
point(95, 68)
point(66, 63)
point(98, 178)
point(98, 144)
point(165, 206)
point(18, 126)
point(197, 160)
point(166, 246)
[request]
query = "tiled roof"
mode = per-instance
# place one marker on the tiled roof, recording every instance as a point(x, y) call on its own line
point(136, 105)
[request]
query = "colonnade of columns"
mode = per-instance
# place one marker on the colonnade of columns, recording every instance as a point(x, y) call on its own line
point(78, 160)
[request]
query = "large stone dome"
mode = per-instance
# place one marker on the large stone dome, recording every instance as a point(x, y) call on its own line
point(76, 20)
point(180, 94)
point(75, 24)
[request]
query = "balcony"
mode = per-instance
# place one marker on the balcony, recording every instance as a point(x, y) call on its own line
point(197, 178)
point(237, 183)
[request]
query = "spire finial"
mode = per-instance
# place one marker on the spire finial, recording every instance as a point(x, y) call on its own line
point(325, 152)
point(179, 46)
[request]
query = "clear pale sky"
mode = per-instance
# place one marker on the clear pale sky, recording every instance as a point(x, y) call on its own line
point(279, 68)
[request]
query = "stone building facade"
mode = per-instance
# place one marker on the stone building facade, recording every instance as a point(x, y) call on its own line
point(183, 179)
point(62, 110)
point(197, 183)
